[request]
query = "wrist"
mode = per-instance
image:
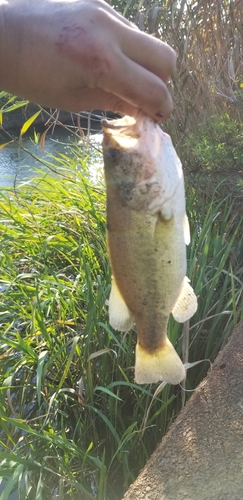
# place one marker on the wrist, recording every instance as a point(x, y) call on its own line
point(18, 60)
point(10, 45)
point(3, 44)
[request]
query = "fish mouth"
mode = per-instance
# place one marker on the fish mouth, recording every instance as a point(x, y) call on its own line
point(125, 132)
point(128, 130)
point(118, 125)
point(130, 125)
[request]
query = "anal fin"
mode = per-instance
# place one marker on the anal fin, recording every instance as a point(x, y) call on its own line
point(186, 304)
point(120, 316)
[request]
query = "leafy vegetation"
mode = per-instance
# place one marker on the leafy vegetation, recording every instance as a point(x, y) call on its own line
point(216, 146)
point(72, 418)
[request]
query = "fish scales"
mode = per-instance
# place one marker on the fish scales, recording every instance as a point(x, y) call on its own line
point(146, 233)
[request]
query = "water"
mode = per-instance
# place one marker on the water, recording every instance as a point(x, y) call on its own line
point(17, 165)
point(18, 162)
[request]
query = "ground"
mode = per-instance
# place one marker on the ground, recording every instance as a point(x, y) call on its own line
point(202, 455)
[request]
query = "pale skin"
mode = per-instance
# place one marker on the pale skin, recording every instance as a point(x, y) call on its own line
point(81, 55)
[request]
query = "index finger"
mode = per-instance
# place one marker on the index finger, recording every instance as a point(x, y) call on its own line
point(142, 48)
point(147, 51)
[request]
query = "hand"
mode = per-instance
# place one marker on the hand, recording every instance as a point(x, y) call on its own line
point(80, 54)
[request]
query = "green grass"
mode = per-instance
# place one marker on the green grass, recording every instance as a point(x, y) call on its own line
point(72, 418)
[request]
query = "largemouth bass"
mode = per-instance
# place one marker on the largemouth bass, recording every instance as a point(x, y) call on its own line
point(147, 233)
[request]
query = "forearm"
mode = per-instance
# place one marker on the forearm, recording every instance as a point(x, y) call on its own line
point(33, 61)
point(8, 44)
point(21, 63)
point(11, 45)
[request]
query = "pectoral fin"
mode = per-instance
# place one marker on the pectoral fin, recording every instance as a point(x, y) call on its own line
point(120, 317)
point(186, 304)
point(186, 230)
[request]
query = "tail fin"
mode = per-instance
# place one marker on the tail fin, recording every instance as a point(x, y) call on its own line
point(162, 365)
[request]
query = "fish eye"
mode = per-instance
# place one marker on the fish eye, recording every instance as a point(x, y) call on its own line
point(113, 154)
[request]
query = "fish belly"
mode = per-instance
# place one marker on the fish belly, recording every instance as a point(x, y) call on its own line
point(148, 263)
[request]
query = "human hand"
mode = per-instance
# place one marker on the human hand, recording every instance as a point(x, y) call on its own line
point(80, 54)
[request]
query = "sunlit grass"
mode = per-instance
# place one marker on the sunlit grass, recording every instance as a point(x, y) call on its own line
point(71, 415)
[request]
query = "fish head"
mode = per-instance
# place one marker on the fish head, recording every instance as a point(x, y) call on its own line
point(135, 138)
point(120, 148)
point(131, 149)
point(140, 162)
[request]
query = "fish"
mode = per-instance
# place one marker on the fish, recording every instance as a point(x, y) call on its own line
point(147, 234)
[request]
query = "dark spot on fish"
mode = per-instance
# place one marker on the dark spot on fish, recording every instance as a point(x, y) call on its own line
point(169, 261)
point(113, 154)
point(126, 189)
point(146, 188)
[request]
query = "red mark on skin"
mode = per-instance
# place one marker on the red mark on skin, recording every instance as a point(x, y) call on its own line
point(70, 34)
point(77, 44)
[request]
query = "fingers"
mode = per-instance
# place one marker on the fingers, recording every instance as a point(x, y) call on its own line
point(119, 67)
point(144, 49)
point(139, 87)
point(101, 4)
point(147, 51)
point(88, 99)
point(140, 67)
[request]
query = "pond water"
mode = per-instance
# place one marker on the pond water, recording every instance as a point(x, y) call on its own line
point(19, 162)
